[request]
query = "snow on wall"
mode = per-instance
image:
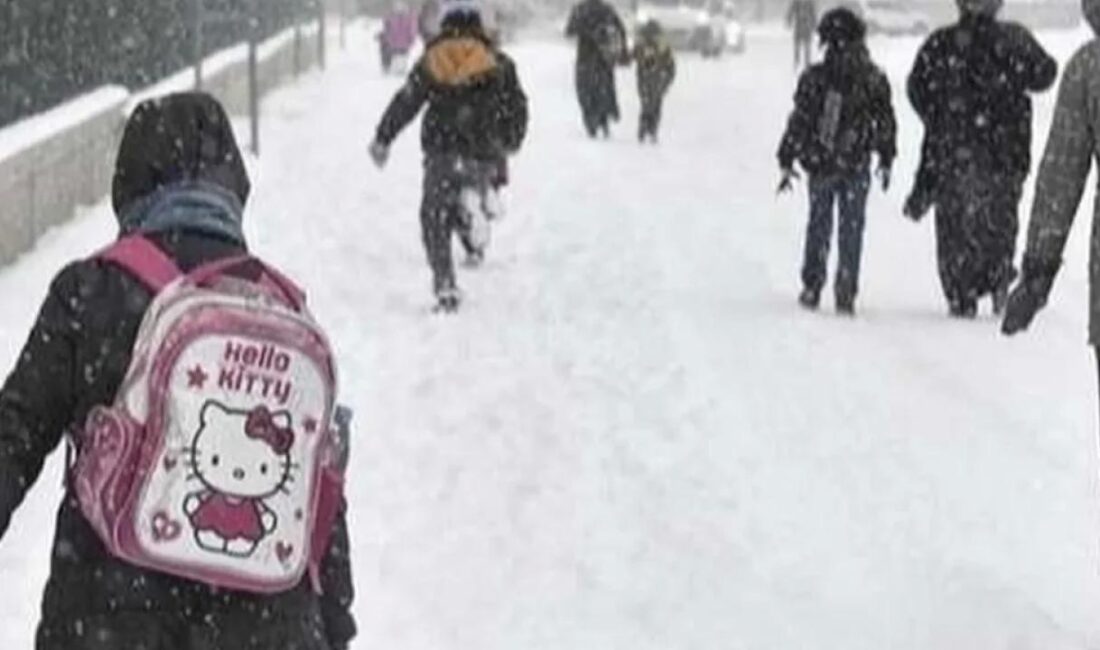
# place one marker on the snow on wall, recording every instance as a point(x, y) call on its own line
point(52, 163)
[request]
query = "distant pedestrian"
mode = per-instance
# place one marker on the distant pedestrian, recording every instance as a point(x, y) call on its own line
point(970, 86)
point(843, 114)
point(601, 45)
point(476, 116)
point(802, 20)
point(656, 68)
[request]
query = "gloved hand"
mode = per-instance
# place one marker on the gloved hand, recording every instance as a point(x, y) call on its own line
point(1029, 296)
point(917, 206)
point(786, 182)
point(379, 153)
point(885, 174)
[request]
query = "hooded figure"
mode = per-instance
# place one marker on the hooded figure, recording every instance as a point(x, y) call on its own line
point(802, 18)
point(843, 114)
point(656, 67)
point(601, 45)
point(181, 182)
point(970, 85)
point(476, 117)
point(1063, 173)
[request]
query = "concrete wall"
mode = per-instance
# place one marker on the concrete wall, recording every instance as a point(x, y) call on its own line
point(68, 161)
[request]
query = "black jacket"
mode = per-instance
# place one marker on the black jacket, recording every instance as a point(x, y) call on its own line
point(476, 105)
point(843, 113)
point(656, 67)
point(75, 359)
point(970, 86)
point(600, 33)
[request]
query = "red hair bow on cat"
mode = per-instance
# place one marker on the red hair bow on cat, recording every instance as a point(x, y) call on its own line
point(261, 425)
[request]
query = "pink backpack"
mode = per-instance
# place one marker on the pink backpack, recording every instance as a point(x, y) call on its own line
point(219, 461)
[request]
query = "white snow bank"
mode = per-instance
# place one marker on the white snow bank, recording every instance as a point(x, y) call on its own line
point(33, 131)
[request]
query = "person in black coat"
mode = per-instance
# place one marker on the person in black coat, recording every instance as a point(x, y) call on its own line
point(601, 45)
point(802, 19)
point(179, 181)
point(970, 86)
point(476, 116)
point(843, 114)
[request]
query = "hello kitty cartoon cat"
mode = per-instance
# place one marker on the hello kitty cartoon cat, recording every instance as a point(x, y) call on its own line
point(241, 458)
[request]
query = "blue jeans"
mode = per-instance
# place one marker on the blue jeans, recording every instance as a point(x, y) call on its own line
point(848, 193)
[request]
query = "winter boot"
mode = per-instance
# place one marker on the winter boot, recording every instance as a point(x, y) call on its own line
point(447, 301)
point(846, 306)
point(810, 299)
point(963, 309)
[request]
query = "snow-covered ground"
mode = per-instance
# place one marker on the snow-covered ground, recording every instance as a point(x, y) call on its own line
point(632, 438)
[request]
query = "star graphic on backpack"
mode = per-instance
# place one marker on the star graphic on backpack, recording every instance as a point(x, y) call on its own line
point(196, 378)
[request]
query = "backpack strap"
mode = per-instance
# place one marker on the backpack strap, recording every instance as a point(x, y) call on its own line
point(144, 260)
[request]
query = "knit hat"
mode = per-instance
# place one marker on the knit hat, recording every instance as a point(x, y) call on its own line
point(841, 25)
point(980, 7)
point(450, 7)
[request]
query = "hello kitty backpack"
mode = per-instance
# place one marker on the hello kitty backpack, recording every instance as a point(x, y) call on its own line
point(219, 460)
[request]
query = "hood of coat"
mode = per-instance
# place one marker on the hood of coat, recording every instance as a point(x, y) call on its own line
point(1092, 14)
point(458, 59)
point(985, 8)
point(184, 139)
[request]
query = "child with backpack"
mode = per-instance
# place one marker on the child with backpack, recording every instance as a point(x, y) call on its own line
point(843, 114)
point(656, 67)
point(203, 505)
point(476, 117)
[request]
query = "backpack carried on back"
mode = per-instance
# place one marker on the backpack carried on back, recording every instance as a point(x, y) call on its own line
point(219, 461)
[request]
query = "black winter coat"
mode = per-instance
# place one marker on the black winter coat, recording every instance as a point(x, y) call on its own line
point(843, 113)
point(970, 86)
point(600, 33)
point(476, 105)
point(75, 359)
point(656, 65)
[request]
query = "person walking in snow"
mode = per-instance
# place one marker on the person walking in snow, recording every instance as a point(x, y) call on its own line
point(843, 114)
point(970, 86)
point(1073, 144)
point(476, 115)
point(601, 45)
point(398, 36)
point(656, 68)
point(428, 20)
point(802, 20)
point(180, 184)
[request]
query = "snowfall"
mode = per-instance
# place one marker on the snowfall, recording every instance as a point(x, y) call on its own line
point(632, 438)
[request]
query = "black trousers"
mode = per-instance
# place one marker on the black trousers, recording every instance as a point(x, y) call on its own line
point(652, 109)
point(443, 213)
point(977, 225)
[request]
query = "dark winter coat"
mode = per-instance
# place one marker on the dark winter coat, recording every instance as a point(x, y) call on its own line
point(970, 86)
point(802, 18)
point(476, 105)
point(75, 359)
point(843, 113)
point(601, 45)
point(1073, 145)
point(656, 68)
point(600, 33)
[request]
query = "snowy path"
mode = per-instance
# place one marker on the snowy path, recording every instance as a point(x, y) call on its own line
point(632, 439)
